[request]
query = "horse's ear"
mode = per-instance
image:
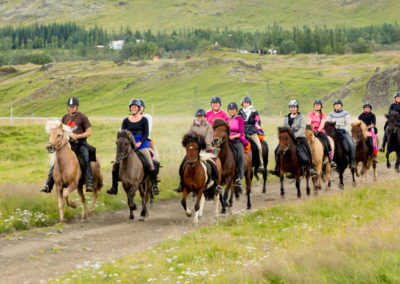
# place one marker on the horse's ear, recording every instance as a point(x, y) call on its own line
point(387, 116)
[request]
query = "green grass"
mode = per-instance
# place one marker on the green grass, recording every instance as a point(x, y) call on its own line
point(175, 15)
point(173, 88)
point(352, 237)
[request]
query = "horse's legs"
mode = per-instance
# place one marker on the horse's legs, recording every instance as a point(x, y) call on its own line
point(66, 193)
point(282, 189)
point(374, 169)
point(388, 165)
point(82, 196)
point(183, 202)
point(128, 189)
point(201, 205)
point(341, 184)
point(353, 177)
point(397, 162)
point(307, 184)
point(94, 198)
point(327, 176)
point(233, 189)
point(59, 191)
point(224, 197)
point(198, 206)
point(248, 188)
point(216, 197)
point(264, 190)
point(145, 198)
point(298, 187)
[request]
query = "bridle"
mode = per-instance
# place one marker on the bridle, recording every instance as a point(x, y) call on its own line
point(123, 156)
point(192, 163)
point(51, 148)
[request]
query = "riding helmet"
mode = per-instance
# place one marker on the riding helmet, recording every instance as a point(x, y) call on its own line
point(135, 102)
point(397, 94)
point(72, 101)
point(216, 99)
point(318, 102)
point(142, 103)
point(338, 102)
point(367, 104)
point(294, 103)
point(232, 105)
point(199, 112)
point(246, 99)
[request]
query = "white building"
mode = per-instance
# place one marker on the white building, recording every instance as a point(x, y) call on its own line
point(116, 44)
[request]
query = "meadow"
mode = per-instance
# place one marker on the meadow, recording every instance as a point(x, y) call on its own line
point(352, 237)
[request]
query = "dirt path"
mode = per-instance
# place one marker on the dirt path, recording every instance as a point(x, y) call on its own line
point(19, 77)
point(41, 255)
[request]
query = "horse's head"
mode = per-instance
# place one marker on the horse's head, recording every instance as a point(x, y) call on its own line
point(309, 134)
point(284, 139)
point(221, 132)
point(193, 144)
point(358, 129)
point(125, 144)
point(330, 129)
point(392, 119)
point(59, 135)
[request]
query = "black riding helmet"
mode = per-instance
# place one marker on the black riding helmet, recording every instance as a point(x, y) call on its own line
point(318, 102)
point(216, 99)
point(338, 102)
point(142, 103)
point(199, 112)
point(367, 104)
point(135, 102)
point(246, 99)
point(72, 101)
point(232, 105)
point(397, 94)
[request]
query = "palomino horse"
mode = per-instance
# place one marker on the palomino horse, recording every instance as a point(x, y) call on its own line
point(256, 161)
point(319, 159)
point(289, 161)
point(195, 177)
point(360, 134)
point(225, 154)
point(132, 173)
point(393, 142)
point(67, 172)
point(341, 158)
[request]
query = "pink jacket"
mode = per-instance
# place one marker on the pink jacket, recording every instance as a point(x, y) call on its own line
point(211, 116)
point(316, 120)
point(236, 126)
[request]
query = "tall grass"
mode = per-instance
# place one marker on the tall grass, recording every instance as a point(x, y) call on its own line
point(342, 238)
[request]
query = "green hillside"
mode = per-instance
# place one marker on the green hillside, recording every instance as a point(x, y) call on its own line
point(176, 14)
point(177, 87)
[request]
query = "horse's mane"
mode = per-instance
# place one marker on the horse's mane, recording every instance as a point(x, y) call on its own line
point(361, 124)
point(330, 123)
point(283, 129)
point(194, 138)
point(220, 122)
point(54, 124)
point(127, 134)
point(394, 113)
point(309, 127)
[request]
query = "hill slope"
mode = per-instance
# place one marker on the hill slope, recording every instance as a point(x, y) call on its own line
point(173, 87)
point(176, 14)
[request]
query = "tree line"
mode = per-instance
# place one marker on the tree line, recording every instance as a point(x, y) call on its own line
point(145, 44)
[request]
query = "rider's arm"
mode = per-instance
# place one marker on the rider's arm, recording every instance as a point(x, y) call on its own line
point(347, 122)
point(302, 127)
point(309, 118)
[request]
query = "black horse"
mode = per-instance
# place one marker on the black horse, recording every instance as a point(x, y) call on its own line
point(341, 158)
point(393, 144)
point(256, 161)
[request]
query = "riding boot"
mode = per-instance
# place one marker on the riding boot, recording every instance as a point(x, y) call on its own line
point(153, 177)
point(115, 177)
point(89, 183)
point(331, 162)
point(277, 169)
point(49, 182)
point(370, 143)
point(181, 169)
point(384, 140)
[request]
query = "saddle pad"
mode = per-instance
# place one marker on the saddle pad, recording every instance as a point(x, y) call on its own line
point(247, 148)
point(261, 138)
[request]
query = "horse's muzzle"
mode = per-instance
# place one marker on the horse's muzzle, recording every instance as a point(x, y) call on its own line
point(50, 148)
point(216, 142)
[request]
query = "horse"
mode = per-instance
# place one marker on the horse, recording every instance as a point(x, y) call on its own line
point(393, 141)
point(132, 173)
point(289, 161)
point(256, 161)
point(340, 157)
point(227, 158)
point(67, 172)
point(195, 176)
point(319, 159)
point(360, 134)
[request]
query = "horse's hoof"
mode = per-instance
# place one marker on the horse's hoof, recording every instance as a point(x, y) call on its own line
point(282, 196)
point(249, 207)
point(354, 183)
point(84, 220)
point(341, 187)
point(263, 191)
point(230, 205)
point(388, 166)
point(189, 214)
point(130, 221)
point(223, 211)
point(141, 218)
point(90, 213)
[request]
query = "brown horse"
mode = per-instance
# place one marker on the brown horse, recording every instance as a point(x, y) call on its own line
point(67, 172)
point(320, 160)
point(225, 154)
point(132, 173)
point(289, 160)
point(195, 176)
point(360, 134)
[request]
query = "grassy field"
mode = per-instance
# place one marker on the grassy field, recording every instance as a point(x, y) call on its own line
point(169, 15)
point(178, 87)
point(351, 237)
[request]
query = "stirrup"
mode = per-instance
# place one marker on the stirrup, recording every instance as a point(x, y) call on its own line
point(238, 182)
point(45, 189)
point(112, 191)
point(89, 187)
point(261, 170)
point(178, 189)
point(382, 149)
point(155, 189)
point(333, 164)
point(219, 189)
point(313, 172)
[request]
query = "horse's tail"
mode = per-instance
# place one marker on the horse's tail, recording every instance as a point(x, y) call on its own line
point(209, 193)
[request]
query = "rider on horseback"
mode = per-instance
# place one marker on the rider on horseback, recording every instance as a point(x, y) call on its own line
point(342, 119)
point(252, 127)
point(393, 107)
point(317, 119)
point(139, 127)
point(200, 127)
point(216, 111)
point(82, 129)
point(370, 121)
point(237, 139)
point(297, 122)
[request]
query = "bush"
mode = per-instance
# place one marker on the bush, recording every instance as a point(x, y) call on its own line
point(19, 58)
point(361, 46)
point(287, 46)
point(327, 50)
point(40, 58)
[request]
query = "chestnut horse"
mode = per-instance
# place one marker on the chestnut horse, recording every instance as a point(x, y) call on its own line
point(289, 160)
point(227, 158)
point(319, 159)
point(363, 152)
point(67, 171)
point(393, 141)
point(195, 177)
point(132, 173)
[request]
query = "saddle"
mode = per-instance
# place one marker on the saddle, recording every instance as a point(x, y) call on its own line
point(146, 166)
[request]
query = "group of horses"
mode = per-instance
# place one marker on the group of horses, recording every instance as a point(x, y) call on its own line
point(68, 176)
